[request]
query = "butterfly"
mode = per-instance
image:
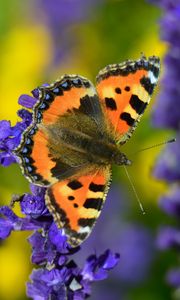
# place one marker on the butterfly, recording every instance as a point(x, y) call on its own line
point(76, 135)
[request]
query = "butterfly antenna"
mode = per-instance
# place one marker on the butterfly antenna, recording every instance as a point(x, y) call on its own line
point(134, 190)
point(156, 145)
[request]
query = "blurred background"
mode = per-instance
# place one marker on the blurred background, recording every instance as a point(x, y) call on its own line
point(42, 39)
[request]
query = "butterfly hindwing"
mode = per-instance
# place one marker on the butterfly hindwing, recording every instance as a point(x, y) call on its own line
point(125, 91)
point(76, 204)
point(36, 161)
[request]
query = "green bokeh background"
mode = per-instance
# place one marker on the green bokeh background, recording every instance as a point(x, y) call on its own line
point(113, 31)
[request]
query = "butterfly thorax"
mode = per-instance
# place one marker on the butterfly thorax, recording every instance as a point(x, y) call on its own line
point(78, 144)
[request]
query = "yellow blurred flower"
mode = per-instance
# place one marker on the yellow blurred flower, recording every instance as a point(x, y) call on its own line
point(24, 56)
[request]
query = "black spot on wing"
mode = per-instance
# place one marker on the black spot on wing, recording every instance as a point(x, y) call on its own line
point(118, 90)
point(96, 187)
point(127, 117)
point(83, 222)
point(146, 83)
point(74, 185)
point(110, 103)
point(127, 88)
point(71, 198)
point(138, 105)
point(95, 203)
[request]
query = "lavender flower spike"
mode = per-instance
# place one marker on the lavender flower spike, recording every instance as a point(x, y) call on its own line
point(10, 136)
point(167, 114)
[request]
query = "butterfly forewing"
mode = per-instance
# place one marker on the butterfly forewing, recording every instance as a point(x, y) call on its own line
point(125, 91)
point(41, 156)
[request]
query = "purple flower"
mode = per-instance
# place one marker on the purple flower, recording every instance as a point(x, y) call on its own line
point(170, 203)
point(27, 101)
point(10, 136)
point(60, 17)
point(173, 277)
point(167, 114)
point(33, 204)
point(168, 164)
point(168, 237)
point(9, 222)
point(69, 280)
point(45, 284)
point(96, 268)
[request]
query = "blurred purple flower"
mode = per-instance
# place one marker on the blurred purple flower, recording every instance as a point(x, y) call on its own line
point(167, 114)
point(168, 164)
point(60, 17)
point(173, 277)
point(134, 242)
point(170, 203)
point(96, 269)
point(168, 237)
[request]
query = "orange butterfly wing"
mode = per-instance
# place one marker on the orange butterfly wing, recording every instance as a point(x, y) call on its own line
point(68, 94)
point(76, 204)
point(124, 91)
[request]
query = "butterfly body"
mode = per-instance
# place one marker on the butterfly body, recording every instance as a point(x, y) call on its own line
point(85, 145)
point(76, 135)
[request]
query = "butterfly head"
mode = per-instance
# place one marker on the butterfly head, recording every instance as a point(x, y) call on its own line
point(120, 159)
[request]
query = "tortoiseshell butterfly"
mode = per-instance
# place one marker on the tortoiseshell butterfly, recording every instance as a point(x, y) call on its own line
point(76, 135)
